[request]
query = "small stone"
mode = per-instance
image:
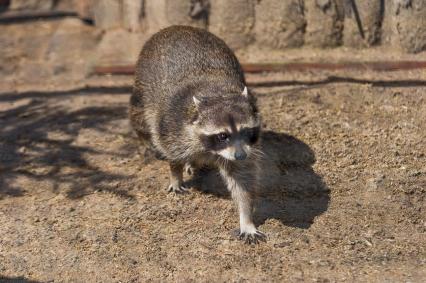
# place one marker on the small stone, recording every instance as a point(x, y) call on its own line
point(115, 236)
point(414, 173)
point(374, 183)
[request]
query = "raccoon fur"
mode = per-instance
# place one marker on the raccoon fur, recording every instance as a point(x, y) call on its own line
point(190, 105)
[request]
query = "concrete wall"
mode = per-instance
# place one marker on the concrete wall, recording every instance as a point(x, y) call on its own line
point(274, 24)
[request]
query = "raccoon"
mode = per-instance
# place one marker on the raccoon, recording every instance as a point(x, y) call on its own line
point(190, 105)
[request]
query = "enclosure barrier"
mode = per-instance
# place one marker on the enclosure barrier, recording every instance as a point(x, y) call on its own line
point(274, 24)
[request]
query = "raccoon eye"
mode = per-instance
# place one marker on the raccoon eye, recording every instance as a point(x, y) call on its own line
point(222, 137)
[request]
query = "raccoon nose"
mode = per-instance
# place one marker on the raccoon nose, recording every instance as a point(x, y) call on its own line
point(240, 155)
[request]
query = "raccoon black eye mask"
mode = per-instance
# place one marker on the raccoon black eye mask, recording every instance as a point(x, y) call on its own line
point(216, 142)
point(220, 141)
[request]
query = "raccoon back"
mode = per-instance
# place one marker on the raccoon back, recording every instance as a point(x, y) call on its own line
point(182, 55)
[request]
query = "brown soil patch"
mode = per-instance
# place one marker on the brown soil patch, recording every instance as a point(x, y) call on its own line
point(344, 199)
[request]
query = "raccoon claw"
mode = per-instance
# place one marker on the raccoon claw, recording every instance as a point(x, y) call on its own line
point(177, 189)
point(252, 238)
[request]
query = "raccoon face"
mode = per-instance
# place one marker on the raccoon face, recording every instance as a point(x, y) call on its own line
point(228, 126)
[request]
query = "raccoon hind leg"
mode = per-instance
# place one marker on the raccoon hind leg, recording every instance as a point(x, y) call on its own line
point(176, 179)
point(137, 121)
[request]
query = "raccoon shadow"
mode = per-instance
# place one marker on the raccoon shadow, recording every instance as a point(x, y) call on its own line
point(4, 279)
point(290, 190)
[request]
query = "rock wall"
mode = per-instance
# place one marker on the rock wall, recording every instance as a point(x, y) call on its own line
point(233, 21)
point(410, 21)
point(279, 24)
point(273, 24)
point(324, 22)
point(363, 21)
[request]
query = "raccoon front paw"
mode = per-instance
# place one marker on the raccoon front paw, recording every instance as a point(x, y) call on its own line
point(177, 189)
point(252, 236)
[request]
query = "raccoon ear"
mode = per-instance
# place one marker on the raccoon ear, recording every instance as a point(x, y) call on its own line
point(197, 102)
point(245, 92)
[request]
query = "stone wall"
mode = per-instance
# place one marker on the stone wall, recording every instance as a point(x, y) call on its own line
point(274, 24)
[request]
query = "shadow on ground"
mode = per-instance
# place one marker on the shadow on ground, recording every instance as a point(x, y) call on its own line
point(15, 280)
point(82, 91)
point(38, 142)
point(290, 189)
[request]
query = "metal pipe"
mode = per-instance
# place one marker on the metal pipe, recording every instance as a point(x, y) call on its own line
point(382, 66)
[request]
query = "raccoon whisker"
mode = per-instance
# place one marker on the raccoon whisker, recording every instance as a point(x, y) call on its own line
point(257, 153)
point(224, 162)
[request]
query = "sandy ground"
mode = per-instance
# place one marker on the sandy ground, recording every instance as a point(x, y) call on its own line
point(343, 195)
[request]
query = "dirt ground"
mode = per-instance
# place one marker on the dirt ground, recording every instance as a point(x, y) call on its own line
point(343, 195)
